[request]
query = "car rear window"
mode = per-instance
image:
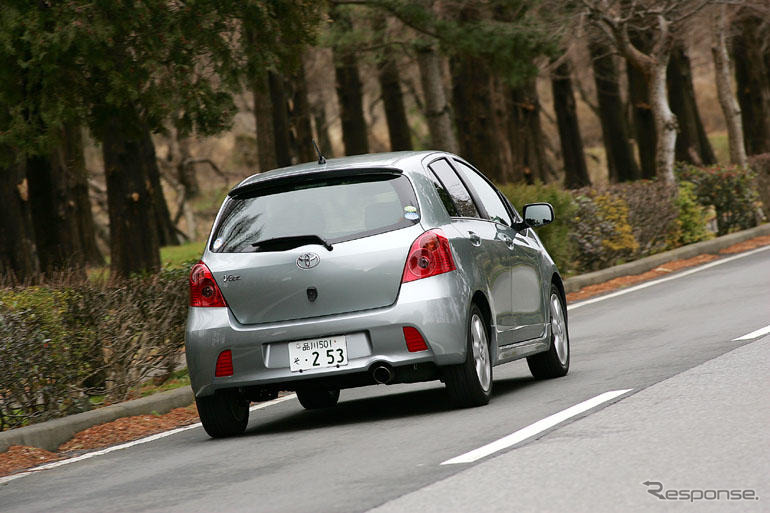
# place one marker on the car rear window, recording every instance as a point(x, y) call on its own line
point(335, 209)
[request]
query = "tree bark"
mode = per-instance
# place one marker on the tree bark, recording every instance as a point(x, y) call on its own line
point(692, 144)
point(18, 253)
point(727, 101)
point(437, 111)
point(61, 209)
point(76, 165)
point(526, 134)
point(280, 119)
point(263, 114)
point(393, 101)
point(166, 230)
point(351, 97)
point(54, 215)
point(751, 58)
point(575, 170)
point(300, 127)
point(133, 227)
point(643, 119)
point(472, 93)
point(665, 124)
point(621, 164)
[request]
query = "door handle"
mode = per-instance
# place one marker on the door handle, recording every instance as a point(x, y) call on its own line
point(474, 238)
point(508, 241)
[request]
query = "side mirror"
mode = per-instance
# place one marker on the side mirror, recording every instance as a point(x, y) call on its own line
point(537, 214)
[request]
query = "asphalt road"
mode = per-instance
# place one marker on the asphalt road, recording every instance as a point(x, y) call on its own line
point(385, 443)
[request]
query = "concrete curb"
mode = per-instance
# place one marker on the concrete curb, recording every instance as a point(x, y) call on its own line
point(49, 435)
point(651, 262)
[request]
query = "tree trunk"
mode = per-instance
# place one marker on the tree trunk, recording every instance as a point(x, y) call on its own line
point(437, 112)
point(166, 230)
point(692, 144)
point(727, 101)
point(54, 214)
point(644, 121)
point(665, 124)
point(351, 98)
point(133, 226)
point(18, 253)
point(280, 119)
point(526, 134)
point(76, 165)
point(472, 94)
point(301, 130)
point(575, 170)
point(751, 58)
point(621, 164)
point(393, 101)
point(263, 114)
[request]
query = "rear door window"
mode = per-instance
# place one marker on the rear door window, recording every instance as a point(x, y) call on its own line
point(455, 187)
point(335, 209)
point(486, 193)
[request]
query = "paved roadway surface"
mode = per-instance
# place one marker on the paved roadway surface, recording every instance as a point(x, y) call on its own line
point(697, 416)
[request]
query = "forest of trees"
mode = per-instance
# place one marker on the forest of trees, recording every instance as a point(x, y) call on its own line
point(121, 72)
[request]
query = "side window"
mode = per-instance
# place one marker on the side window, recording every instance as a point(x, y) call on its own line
point(460, 195)
point(488, 195)
point(444, 195)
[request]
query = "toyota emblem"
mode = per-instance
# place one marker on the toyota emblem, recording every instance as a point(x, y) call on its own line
point(308, 260)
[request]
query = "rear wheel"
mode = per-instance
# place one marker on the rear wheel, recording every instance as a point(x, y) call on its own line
point(470, 383)
point(316, 398)
point(553, 363)
point(223, 414)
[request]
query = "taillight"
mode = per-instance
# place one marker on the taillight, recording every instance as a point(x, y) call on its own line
point(429, 255)
point(224, 364)
point(414, 341)
point(204, 291)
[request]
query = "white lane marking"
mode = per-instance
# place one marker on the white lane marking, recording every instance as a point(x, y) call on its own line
point(126, 445)
point(663, 280)
point(534, 429)
point(754, 334)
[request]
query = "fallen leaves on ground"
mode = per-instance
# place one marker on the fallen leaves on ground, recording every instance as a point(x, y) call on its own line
point(119, 431)
point(19, 457)
point(129, 428)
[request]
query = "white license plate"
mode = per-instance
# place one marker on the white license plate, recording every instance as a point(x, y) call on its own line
point(318, 353)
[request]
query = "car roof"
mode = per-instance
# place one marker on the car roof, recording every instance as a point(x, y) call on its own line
point(403, 160)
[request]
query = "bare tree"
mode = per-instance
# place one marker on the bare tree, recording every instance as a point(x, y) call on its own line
point(727, 101)
point(661, 19)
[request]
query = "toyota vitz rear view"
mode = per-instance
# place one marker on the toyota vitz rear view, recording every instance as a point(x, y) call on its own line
point(384, 268)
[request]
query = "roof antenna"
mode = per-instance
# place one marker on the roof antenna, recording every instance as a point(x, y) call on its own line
point(321, 158)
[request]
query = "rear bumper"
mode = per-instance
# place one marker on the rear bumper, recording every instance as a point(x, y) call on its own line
point(436, 306)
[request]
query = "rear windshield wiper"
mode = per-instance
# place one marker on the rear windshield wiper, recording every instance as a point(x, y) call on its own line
point(284, 243)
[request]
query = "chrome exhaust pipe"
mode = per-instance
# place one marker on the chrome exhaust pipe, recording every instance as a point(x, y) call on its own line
point(382, 373)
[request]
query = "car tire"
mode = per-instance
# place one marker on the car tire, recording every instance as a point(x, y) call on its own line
point(223, 414)
point(553, 363)
point(470, 383)
point(317, 398)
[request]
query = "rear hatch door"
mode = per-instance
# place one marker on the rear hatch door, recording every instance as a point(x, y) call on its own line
point(270, 255)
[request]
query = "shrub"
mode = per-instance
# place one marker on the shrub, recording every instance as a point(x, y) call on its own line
point(65, 341)
point(600, 231)
point(652, 214)
point(692, 224)
point(760, 164)
point(555, 236)
point(730, 189)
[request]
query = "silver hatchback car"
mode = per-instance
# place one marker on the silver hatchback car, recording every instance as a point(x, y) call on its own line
point(383, 268)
